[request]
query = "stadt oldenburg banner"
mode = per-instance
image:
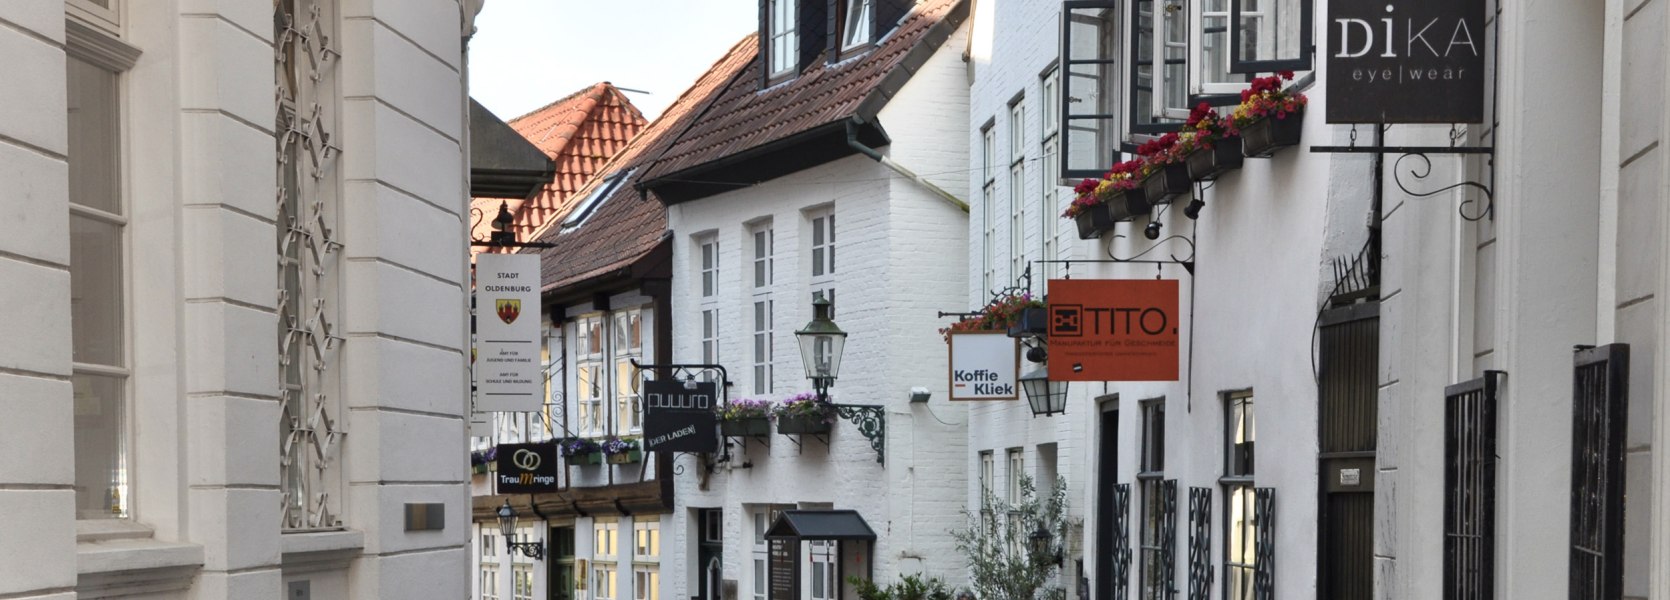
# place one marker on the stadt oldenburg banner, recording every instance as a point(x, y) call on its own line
point(985, 365)
point(526, 468)
point(507, 352)
point(680, 419)
point(1113, 329)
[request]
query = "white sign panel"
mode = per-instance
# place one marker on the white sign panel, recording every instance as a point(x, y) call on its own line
point(507, 358)
point(984, 366)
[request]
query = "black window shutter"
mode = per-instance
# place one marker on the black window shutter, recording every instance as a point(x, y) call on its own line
point(887, 14)
point(764, 53)
point(1201, 573)
point(813, 30)
point(1264, 544)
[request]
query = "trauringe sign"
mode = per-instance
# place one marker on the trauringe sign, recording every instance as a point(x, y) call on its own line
point(1406, 61)
point(526, 468)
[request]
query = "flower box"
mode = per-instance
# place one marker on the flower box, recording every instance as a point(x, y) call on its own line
point(801, 424)
point(1093, 222)
point(1128, 204)
point(1206, 164)
point(1264, 137)
point(1031, 322)
point(751, 427)
point(1167, 182)
point(629, 456)
point(589, 458)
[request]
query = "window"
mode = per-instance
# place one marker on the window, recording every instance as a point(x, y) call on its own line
point(824, 565)
point(489, 567)
point(103, 14)
point(1017, 189)
point(783, 47)
point(646, 554)
point(763, 517)
point(98, 297)
point(592, 201)
point(823, 255)
point(521, 568)
point(765, 241)
point(710, 268)
point(764, 248)
point(987, 468)
point(1049, 215)
point(603, 582)
point(710, 336)
point(1270, 35)
point(588, 376)
point(855, 28)
point(988, 208)
point(710, 301)
point(1158, 506)
point(605, 537)
point(1216, 75)
point(1240, 559)
point(629, 345)
point(1090, 103)
point(1159, 65)
point(1017, 469)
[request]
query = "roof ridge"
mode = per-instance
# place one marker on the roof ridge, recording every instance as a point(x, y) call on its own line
point(561, 100)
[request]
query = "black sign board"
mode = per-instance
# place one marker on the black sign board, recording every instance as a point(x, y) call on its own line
point(1406, 61)
point(784, 570)
point(679, 418)
point(526, 468)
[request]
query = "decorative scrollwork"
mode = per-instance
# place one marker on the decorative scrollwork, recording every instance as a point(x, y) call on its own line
point(872, 424)
point(1187, 261)
point(1424, 170)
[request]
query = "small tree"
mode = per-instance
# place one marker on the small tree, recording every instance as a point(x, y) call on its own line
point(909, 587)
point(998, 544)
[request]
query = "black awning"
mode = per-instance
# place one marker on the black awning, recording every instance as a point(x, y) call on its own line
point(820, 525)
point(502, 162)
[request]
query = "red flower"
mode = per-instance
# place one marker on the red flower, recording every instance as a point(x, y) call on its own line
point(1285, 75)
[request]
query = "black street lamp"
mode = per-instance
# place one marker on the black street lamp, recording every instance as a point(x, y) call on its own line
point(1046, 396)
point(1040, 541)
point(507, 527)
point(821, 343)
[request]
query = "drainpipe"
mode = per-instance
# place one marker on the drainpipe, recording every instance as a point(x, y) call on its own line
point(852, 141)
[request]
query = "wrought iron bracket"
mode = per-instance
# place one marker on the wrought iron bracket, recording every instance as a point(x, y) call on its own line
point(1424, 170)
point(500, 239)
point(871, 420)
point(533, 550)
point(1188, 262)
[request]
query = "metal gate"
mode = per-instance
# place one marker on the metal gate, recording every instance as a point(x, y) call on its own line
point(1264, 547)
point(1600, 409)
point(1470, 489)
point(1200, 543)
point(1120, 580)
point(1347, 415)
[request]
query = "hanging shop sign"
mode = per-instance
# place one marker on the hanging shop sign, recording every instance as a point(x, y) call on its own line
point(1113, 330)
point(526, 468)
point(985, 365)
point(679, 418)
point(507, 352)
point(1406, 61)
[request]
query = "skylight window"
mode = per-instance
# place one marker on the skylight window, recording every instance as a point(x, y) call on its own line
point(589, 205)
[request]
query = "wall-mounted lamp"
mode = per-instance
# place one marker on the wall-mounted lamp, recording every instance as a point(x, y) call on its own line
point(919, 395)
point(1152, 231)
point(1192, 211)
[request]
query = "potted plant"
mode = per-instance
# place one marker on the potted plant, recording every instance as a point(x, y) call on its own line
point(1114, 197)
point(746, 417)
point(580, 451)
point(1269, 117)
point(483, 460)
point(804, 413)
point(1165, 173)
point(1214, 145)
point(620, 451)
point(1016, 314)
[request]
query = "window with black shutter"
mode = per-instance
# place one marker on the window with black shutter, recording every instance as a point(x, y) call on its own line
point(1090, 104)
point(1470, 489)
point(1600, 410)
point(1266, 36)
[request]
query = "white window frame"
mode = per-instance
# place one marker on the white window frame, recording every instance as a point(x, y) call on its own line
point(489, 586)
point(629, 415)
point(708, 255)
point(1228, 82)
point(1240, 559)
point(783, 49)
point(107, 18)
point(988, 472)
point(1048, 176)
point(605, 540)
point(821, 246)
point(855, 29)
point(761, 564)
point(646, 567)
point(590, 406)
point(764, 240)
point(604, 580)
point(521, 566)
point(1017, 188)
point(763, 338)
point(823, 557)
point(1017, 468)
point(988, 208)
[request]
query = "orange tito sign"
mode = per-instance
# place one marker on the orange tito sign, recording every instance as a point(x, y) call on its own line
point(1113, 329)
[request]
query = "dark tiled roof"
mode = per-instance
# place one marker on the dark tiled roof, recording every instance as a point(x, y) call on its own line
point(625, 227)
point(745, 117)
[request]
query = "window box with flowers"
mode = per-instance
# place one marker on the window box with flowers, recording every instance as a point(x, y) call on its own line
point(620, 451)
point(1269, 117)
point(1167, 175)
point(1018, 315)
point(581, 451)
point(482, 461)
point(1211, 145)
point(747, 417)
point(1116, 196)
point(803, 413)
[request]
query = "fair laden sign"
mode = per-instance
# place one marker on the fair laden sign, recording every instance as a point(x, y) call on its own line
point(507, 357)
point(985, 365)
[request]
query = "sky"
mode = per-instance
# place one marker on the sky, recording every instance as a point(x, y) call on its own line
point(528, 53)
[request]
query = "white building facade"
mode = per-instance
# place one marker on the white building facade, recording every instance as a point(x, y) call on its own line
point(235, 280)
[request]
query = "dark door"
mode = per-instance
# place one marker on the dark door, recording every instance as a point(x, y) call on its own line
point(1347, 413)
point(710, 552)
point(1112, 505)
point(560, 584)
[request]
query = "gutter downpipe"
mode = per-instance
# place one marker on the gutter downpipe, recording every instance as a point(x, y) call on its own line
point(852, 141)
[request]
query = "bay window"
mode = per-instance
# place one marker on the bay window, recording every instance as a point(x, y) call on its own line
point(629, 345)
point(589, 376)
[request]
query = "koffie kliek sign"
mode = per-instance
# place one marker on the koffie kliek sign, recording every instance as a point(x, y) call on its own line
point(1113, 330)
point(985, 365)
point(1406, 61)
point(507, 357)
point(526, 468)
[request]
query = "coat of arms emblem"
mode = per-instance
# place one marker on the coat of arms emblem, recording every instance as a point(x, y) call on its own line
point(508, 310)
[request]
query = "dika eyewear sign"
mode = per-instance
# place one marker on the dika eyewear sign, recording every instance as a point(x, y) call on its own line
point(526, 468)
point(679, 418)
point(1113, 330)
point(1406, 61)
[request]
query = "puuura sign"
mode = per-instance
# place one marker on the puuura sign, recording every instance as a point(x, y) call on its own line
point(680, 419)
point(984, 365)
point(507, 359)
point(526, 468)
point(1406, 61)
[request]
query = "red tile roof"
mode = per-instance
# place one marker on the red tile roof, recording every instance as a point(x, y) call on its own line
point(580, 133)
point(626, 226)
point(745, 117)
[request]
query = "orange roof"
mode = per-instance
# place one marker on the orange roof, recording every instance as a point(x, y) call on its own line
point(580, 133)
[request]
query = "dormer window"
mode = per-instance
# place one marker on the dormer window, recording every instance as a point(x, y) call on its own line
point(855, 26)
point(782, 42)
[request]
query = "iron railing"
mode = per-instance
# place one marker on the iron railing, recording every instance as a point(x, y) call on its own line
point(1600, 409)
point(1200, 543)
point(1470, 489)
point(1264, 546)
point(1121, 542)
